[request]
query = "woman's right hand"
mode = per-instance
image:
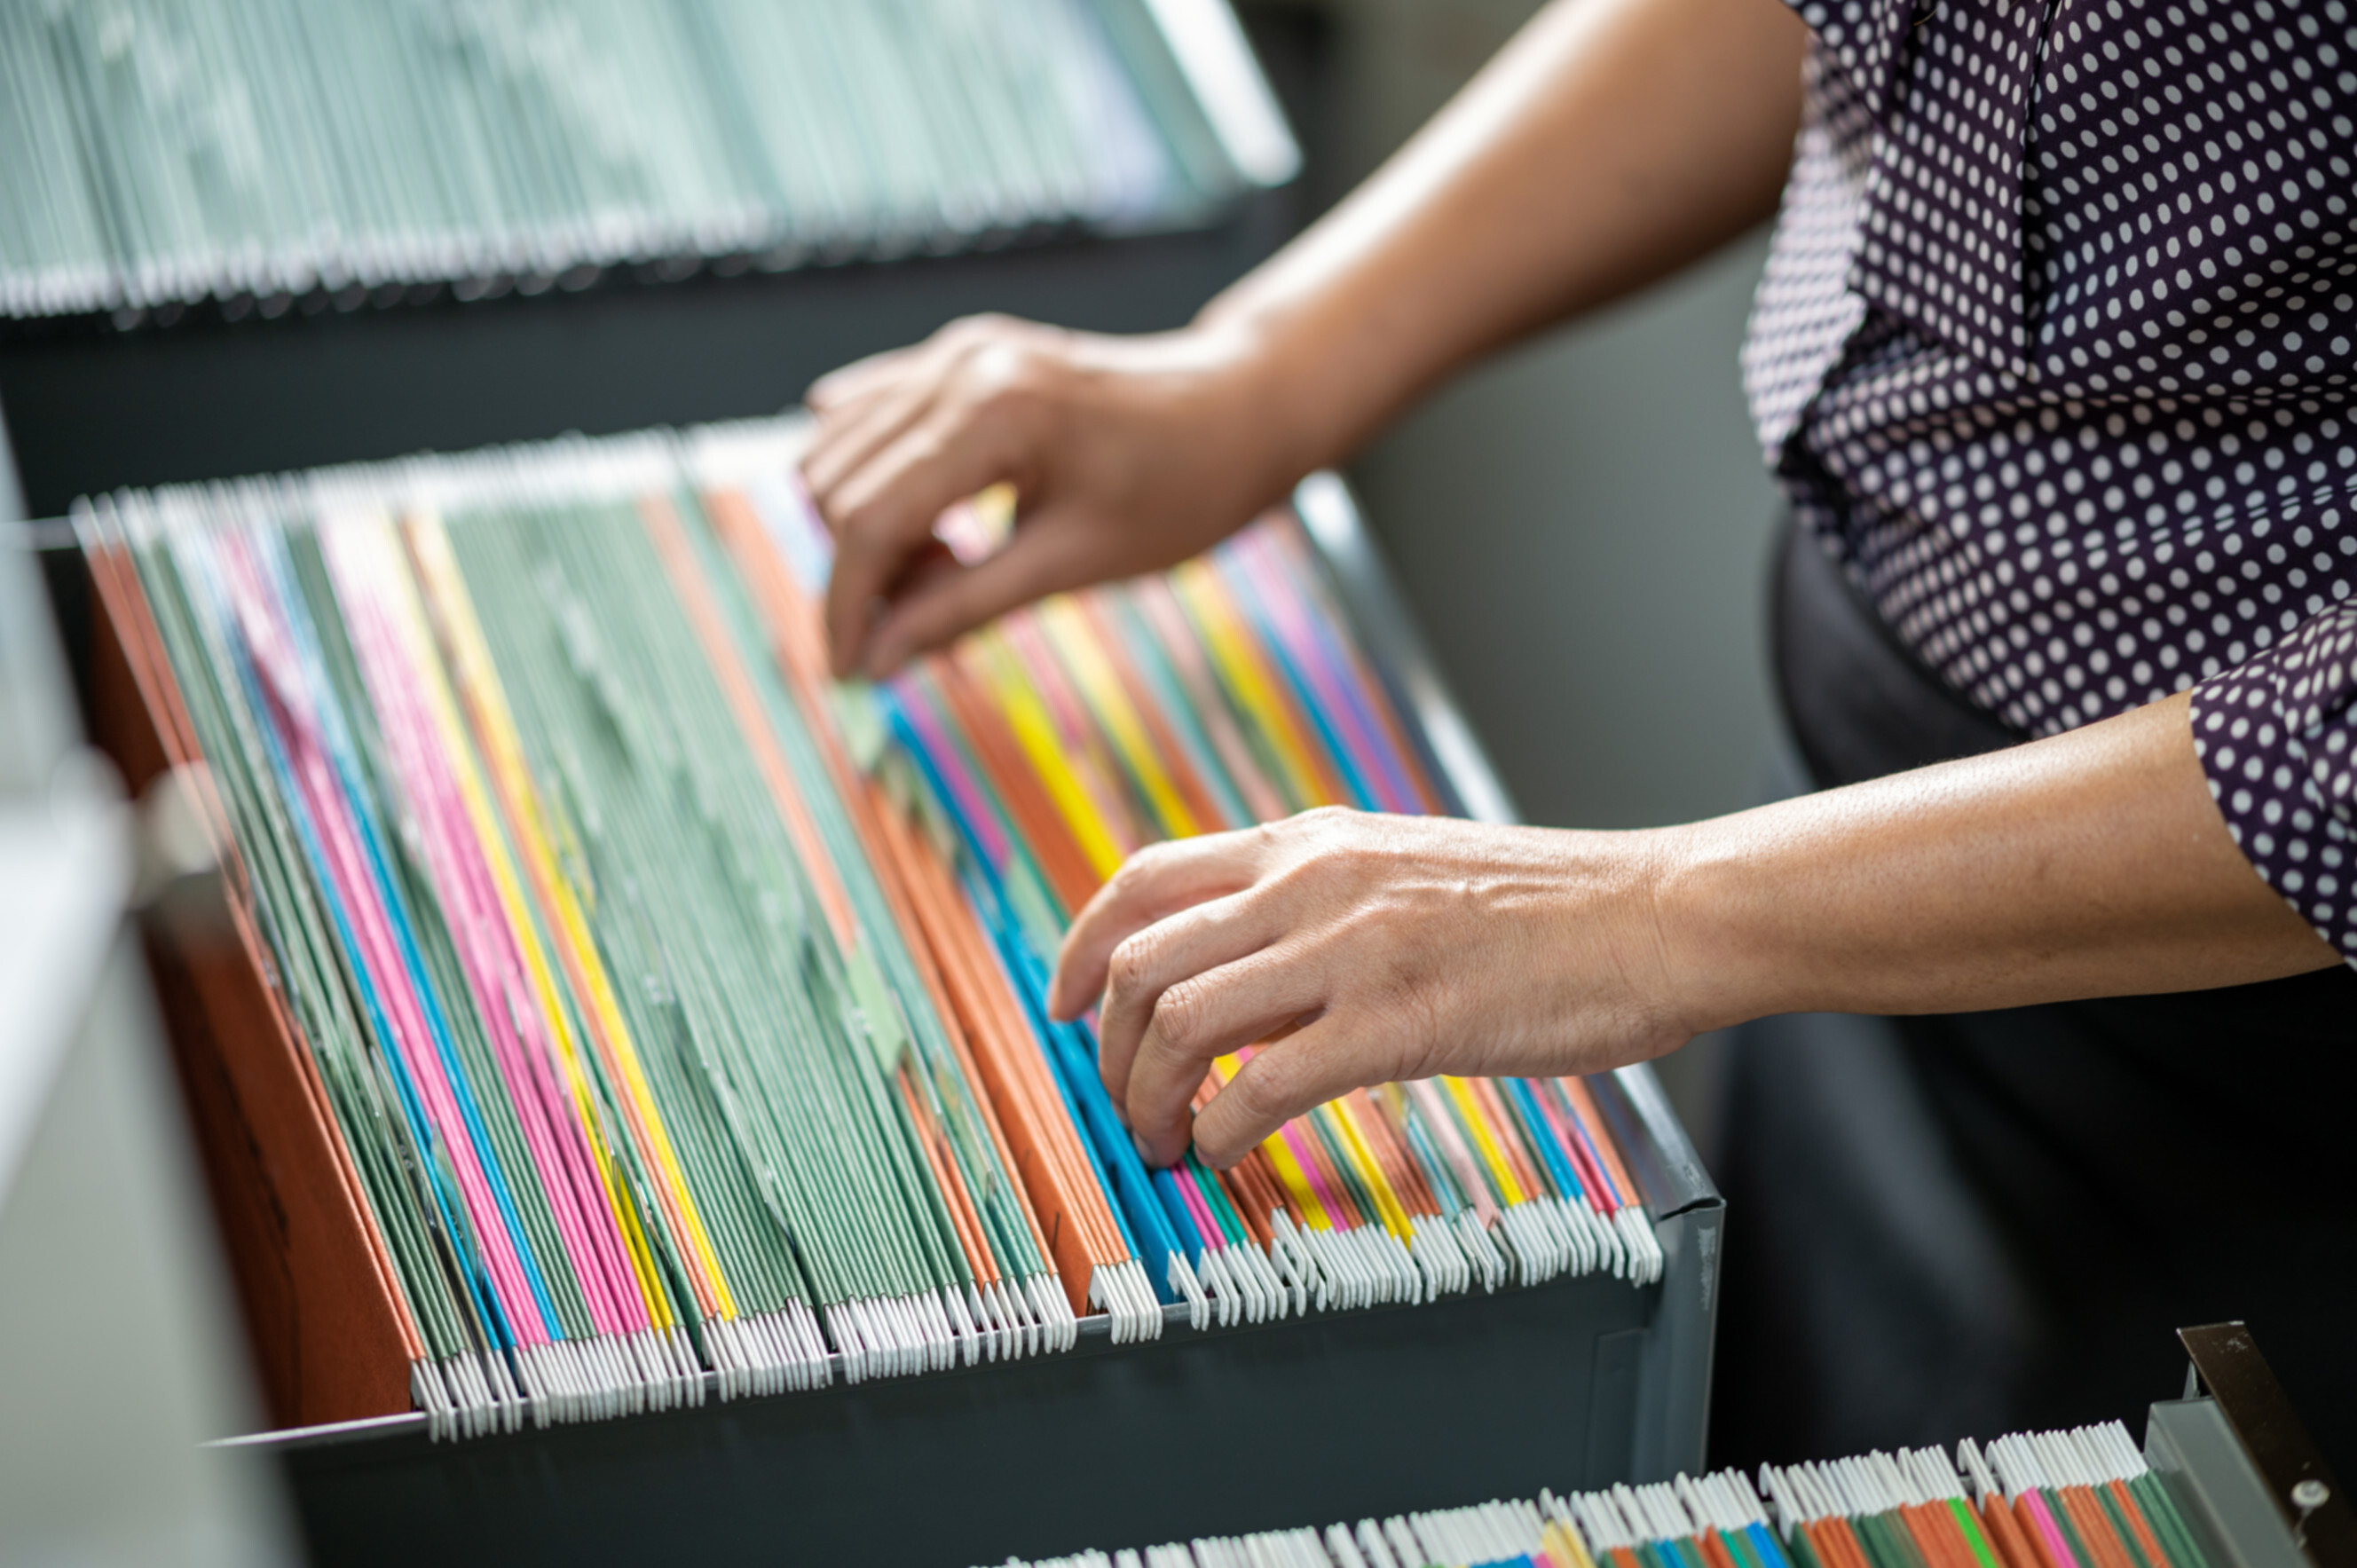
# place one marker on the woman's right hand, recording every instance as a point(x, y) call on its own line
point(1126, 455)
point(1611, 142)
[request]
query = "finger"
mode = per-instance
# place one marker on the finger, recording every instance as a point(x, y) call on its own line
point(852, 436)
point(1200, 1019)
point(1191, 943)
point(925, 613)
point(849, 431)
point(1318, 1062)
point(846, 382)
point(929, 360)
point(1155, 883)
point(930, 559)
point(885, 512)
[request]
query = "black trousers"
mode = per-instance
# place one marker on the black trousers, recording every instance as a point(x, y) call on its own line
point(1964, 1225)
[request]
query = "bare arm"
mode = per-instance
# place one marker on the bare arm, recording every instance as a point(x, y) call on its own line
point(2092, 864)
point(1611, 142)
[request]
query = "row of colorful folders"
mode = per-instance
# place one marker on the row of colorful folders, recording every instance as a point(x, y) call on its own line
point(682, 1013)
point(2084, 1499)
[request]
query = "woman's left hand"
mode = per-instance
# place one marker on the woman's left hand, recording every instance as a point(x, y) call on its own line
point(1390, 947)
point(2091, 864)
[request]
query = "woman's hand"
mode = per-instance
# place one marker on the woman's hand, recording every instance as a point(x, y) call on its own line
point(1613, 141)
point(1401, 947)
point(2091, 864)
point(1125, 454)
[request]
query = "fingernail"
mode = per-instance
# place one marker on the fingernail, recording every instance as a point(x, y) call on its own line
point(1143, 1152)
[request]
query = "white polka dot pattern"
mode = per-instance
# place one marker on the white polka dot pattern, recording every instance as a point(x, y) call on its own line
point(2195, 169)
point(1944, 235)
point(2056, 345)
point(1805, 313)
point(2274, 736)
point(1860, 40)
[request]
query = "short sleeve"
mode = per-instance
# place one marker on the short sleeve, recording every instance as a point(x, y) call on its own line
point(2278, 737)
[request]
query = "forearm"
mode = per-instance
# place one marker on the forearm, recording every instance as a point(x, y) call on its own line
point(2092, 864)
point(1610, 142)
point(1378, 948)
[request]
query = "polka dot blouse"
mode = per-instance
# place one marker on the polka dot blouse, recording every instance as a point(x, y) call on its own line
point(2055, 349)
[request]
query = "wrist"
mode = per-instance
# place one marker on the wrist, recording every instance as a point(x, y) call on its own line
point(1269, 436)
point(1616, 962)
point(1717, 956)
point(1289, 377)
